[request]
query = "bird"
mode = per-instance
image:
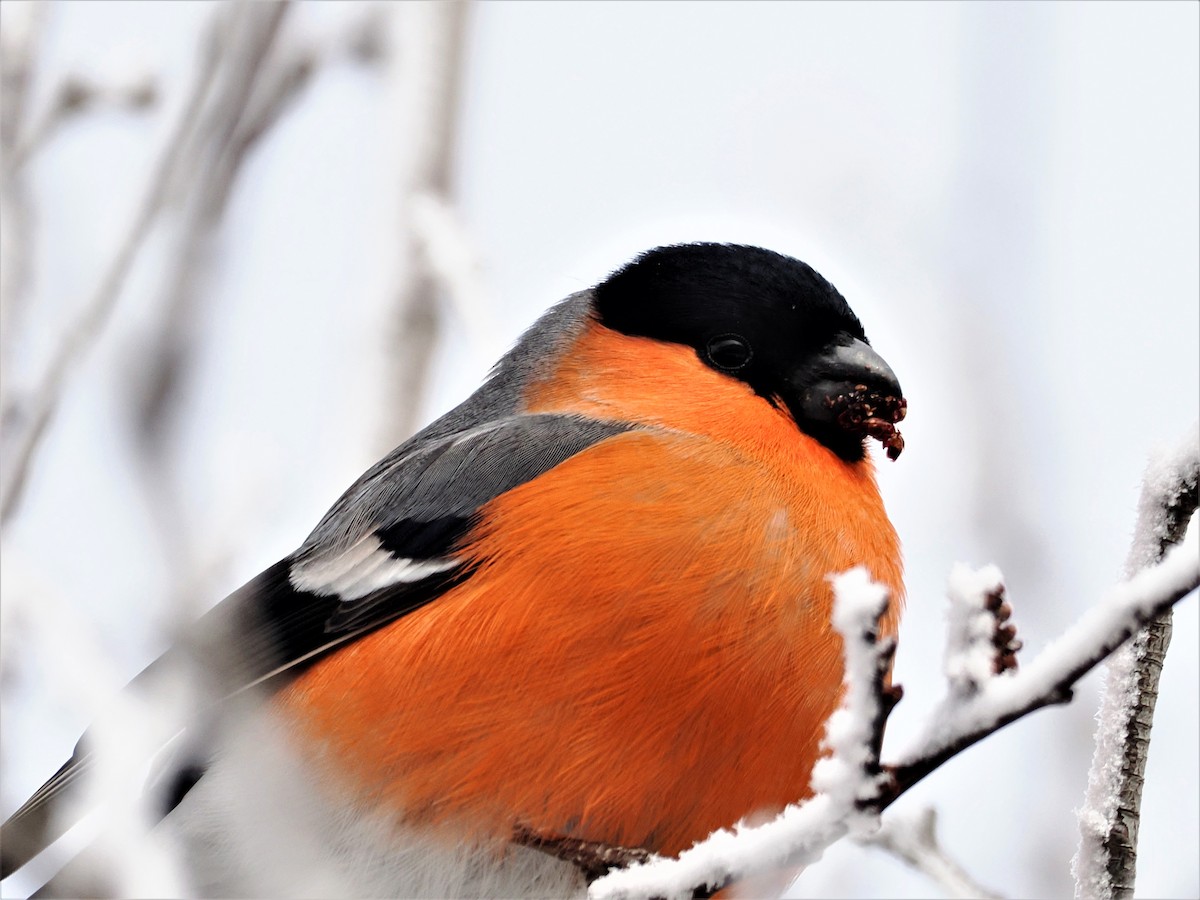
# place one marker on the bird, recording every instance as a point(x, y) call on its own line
point(585, 612)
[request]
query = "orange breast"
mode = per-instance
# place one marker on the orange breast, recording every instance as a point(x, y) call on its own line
point(644, 654)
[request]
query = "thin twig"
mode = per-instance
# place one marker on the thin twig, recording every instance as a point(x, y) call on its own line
point(79, 336)
point(18, 45)
point(592, 858)
point(18, 42)
point(1050, 679)
point(75, 95)
point(251, 91)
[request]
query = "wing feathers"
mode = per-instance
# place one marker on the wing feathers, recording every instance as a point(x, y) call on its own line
point(386, 548)
point(362, 570)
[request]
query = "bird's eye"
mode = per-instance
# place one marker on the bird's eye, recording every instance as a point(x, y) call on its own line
point(729, 352)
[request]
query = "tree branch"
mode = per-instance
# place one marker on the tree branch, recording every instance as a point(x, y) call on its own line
point(426, 73)
point(802, 832)
point(592, 858)
point(1050, 679)
point(31, 419)
point(1105, 865)
point(19, 39)
point(252, 89)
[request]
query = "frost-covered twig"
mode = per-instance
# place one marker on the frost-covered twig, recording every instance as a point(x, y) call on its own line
point(914, 840)
point(1105, 863)
point(1050, 678)
point(979, 641)
point(802, 832)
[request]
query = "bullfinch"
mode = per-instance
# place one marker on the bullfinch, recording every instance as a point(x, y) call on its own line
point(588, 607)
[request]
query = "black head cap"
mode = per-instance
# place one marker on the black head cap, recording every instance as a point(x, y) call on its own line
point(763, 318)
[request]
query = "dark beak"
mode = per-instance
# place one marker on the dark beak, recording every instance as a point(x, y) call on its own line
point(848, 392)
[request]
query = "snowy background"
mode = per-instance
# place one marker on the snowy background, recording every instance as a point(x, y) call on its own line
point(1007, 194)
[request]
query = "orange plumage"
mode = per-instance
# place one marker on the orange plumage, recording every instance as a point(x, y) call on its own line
point(644, 654)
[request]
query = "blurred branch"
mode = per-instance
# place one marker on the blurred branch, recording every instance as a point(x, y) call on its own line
point(252, 89)
point(1105, 865)
point(264, 74)
point(30, 418)
point(913, 839)
point(425, 64)
point(450, 255)
point(19, 142)
point(250, 97)
point(19, 39)
point(126, 861)
point(20, 32)
point(73, 96)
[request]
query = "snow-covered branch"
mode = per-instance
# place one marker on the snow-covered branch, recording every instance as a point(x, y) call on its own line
point(1105, 863)
point(979, 643)
point(1051, 676)
point(985, 693)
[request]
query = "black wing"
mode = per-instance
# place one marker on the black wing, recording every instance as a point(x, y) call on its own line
point(386, 547)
